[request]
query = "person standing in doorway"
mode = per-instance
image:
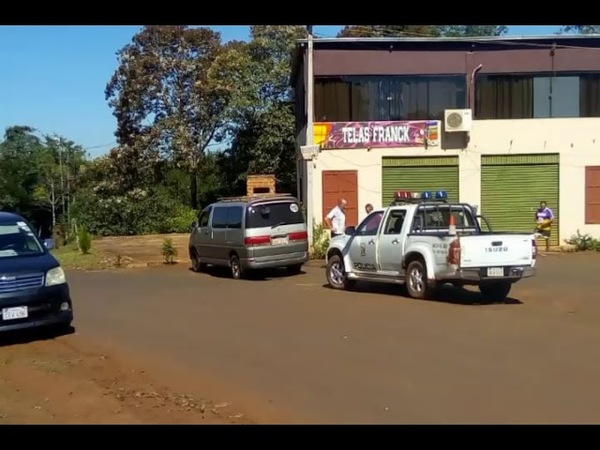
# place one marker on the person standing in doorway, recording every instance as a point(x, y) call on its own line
point(368, 208)
point(336, 219)
point(544, 218)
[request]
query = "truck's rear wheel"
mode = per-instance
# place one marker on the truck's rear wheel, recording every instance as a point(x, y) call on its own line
point(416, 281)
point(495, 291)
point(336, 274)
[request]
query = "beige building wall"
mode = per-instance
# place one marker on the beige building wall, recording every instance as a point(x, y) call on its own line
point(576, 140)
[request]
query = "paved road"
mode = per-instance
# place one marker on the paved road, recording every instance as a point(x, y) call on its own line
point(322, 356)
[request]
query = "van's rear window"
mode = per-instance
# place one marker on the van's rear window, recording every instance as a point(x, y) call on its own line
point(273, 214)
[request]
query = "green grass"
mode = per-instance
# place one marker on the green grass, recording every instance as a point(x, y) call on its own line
point(70, 257)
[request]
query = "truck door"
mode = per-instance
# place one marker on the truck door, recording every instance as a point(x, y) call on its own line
point(363, 248)
point(391, 241)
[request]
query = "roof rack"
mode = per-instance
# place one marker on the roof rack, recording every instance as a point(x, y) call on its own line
point(249, 198)
point(419, 201)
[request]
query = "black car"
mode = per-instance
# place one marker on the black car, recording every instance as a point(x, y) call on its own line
point(34, 291)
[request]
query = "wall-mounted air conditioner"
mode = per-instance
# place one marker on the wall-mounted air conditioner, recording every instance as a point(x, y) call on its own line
point(456, 120)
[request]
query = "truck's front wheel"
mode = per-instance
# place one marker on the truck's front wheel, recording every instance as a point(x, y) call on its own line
point(416, 281)
point(336, 274)
point(495, 292)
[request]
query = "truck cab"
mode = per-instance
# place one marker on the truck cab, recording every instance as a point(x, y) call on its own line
point(424, 241)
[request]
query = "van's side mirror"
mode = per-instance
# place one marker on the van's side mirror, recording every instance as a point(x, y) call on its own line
point(194, 224)
point(49, 243)
point(350, 231)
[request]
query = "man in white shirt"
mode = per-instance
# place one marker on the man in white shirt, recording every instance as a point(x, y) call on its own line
point(336, 219)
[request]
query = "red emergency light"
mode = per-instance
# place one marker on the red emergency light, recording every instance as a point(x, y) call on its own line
point(400, 195)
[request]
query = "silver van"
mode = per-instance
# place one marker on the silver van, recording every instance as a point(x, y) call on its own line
point(245, 233)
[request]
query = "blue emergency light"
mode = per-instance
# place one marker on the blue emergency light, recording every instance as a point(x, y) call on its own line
point(438, 195)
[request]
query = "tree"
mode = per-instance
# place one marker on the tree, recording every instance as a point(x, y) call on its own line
point(580, 29)
point(422, 30)
point(171, 94)
point(18, 171)
point(59, 163)
point(264, 130)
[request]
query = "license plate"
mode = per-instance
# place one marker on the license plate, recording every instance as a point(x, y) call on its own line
point(279, 241)
point(495, 272)
point(19, 312)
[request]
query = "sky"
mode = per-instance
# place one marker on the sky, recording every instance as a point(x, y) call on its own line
point(53, 77)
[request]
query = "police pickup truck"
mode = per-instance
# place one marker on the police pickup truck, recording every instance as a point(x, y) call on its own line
point(424, 241)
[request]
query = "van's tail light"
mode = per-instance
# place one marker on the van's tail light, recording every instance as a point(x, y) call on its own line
point(454, 252)
point(299, 236)
point(533, 249)
point(254, 241)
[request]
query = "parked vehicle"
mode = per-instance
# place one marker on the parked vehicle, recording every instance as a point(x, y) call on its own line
point(246, 233)
point(423, 241)
point(33, 288)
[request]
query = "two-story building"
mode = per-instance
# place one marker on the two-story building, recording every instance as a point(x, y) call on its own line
point(501, 123)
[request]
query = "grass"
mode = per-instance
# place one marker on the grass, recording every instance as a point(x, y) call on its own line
point(70, 257)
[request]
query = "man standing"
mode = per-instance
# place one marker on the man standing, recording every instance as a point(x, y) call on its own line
point(544, 218)
point(368, 208)
point(336, 219)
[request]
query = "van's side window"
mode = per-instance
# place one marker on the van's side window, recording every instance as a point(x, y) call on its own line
point(219, 219)
point(204, 216)
point(234, 217)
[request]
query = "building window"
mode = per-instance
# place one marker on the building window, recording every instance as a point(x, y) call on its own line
point(592, 195)
point(384, 98)
point(537, 96)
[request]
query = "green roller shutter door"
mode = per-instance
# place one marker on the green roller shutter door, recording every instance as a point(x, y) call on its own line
point(512, 187)
point(418, 175)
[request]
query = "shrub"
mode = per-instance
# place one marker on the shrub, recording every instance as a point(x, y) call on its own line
point(320, 241)
point(169, 251)
point(84, 241)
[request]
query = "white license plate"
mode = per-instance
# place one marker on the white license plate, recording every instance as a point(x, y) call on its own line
point(279, 241)
point(19, 312)
point(495, 272)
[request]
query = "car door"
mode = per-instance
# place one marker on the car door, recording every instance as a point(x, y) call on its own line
point(363, 249)
point(201, 237)
point(218, 235)
point(391, 242)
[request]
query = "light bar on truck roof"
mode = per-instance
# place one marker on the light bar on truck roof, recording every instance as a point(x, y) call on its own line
point(402, 195)
point(435, 195)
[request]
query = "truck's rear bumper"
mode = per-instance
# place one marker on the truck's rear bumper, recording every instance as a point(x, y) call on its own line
point(477, 275)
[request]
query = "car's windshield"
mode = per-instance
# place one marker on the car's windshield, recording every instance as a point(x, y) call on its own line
point(18, 239)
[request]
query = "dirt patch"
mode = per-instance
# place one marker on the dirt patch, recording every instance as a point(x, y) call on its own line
point(124, 252)
point(136, 250)
point(57, 381)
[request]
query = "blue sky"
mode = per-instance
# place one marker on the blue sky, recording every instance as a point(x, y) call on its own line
point(53, 77)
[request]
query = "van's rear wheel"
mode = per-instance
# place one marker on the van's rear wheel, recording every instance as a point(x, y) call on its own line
point(417, 284)
point(294, 269)
point(235, 267)
point(496, 291)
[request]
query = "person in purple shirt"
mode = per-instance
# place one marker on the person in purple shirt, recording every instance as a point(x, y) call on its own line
point(544, 218)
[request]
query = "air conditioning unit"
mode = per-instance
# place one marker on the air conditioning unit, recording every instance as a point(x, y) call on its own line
point(456, 120)
point(309, 152)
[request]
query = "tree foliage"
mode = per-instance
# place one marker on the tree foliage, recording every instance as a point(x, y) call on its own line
point(264, 141)
point(421, 30)
point(171, 95)
point(580, 29)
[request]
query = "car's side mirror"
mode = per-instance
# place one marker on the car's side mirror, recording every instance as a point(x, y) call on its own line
point(194, 224)
point(350, 231)
point(49, 243)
